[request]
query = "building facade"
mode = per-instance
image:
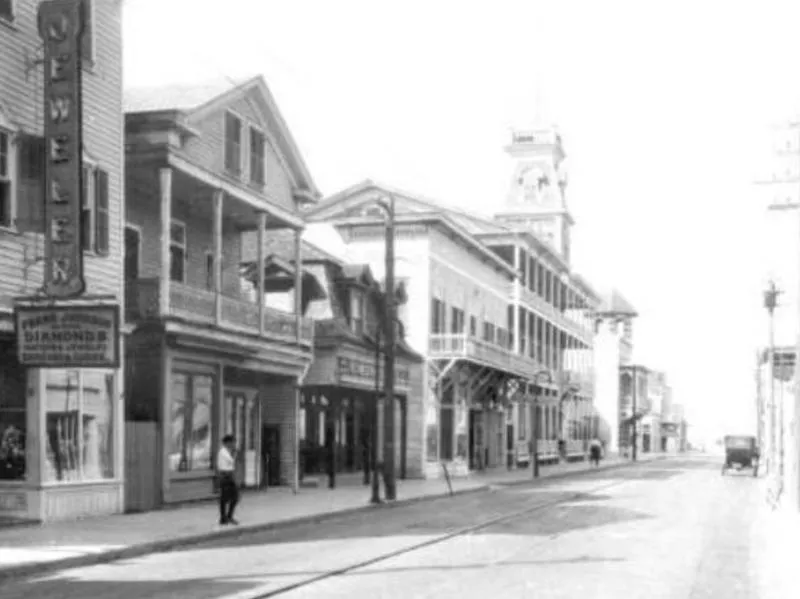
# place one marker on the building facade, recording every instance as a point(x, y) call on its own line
point(613, 349)
point(495, 310)
point(340, 417)
point(206, 355)
point(61, 429)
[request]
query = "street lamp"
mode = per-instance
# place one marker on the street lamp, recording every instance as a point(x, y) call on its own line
point(543, 376)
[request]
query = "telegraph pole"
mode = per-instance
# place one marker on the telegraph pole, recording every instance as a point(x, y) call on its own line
point(789, 199)
point(389, 396)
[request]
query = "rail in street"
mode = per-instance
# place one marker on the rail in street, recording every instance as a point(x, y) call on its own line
point(672, 528)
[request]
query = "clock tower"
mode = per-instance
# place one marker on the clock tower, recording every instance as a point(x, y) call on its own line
point(536, 200)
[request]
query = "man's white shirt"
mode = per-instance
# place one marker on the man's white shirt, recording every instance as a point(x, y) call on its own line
point(225, 461)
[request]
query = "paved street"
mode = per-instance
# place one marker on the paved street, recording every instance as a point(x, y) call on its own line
point(672, 529)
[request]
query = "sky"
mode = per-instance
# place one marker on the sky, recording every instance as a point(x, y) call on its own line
point(664, 108)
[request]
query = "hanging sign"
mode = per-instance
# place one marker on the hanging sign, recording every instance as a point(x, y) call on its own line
point(68, 336)
point(61, 28)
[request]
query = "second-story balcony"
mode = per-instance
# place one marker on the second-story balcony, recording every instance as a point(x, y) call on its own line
point(454, 346)
point(204, 307)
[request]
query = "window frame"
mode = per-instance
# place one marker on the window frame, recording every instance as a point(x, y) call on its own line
point(10, 178)
point(139, 234)
point(238, 174)
point(12, 13)
point(81, 401)
point(357, 299)
point(182, 246)
point(190, 375)
point(251, 128)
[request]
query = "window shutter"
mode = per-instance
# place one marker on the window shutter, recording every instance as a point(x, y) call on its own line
point(101, 238)
point(30, 187)
point(87, 37)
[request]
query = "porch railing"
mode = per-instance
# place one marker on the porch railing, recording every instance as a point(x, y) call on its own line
point(201, 306)
point(451, 345)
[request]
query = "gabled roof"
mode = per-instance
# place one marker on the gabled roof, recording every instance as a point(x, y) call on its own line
point(196, 100)
point(409, 208)
point(613, 303)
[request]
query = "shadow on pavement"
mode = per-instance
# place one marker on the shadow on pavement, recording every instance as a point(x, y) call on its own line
point(74, 588)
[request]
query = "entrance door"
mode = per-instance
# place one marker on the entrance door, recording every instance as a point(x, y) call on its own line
point(132, 250)
point(271, 454)
point(242, 420)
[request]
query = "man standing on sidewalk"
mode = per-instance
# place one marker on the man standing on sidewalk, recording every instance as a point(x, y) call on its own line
point(228, 491)
point(595, 450)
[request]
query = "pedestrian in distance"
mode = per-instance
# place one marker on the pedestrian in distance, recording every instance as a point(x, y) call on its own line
point(595, 450)
point(228, 490)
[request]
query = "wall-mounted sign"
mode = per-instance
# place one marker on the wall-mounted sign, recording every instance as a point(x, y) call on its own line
point(364, 372)
point(68, 336)
point(61, 28)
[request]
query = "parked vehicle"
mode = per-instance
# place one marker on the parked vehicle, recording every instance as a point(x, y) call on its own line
point(741, 451)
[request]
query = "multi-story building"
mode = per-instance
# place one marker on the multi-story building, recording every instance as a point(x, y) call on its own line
point(340, 420)
point(634, 406)
point(613, 348)
point(493, 307)
point(207, 356)
point(61, 436)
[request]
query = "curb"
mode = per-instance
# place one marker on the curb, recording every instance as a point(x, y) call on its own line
point(41, 568)
point(561, 475)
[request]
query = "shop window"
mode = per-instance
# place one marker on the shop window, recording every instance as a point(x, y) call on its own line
point(79, 420)
point(190, 422)
point(12, 416)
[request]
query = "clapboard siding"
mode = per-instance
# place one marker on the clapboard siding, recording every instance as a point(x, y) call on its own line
point(21, 92)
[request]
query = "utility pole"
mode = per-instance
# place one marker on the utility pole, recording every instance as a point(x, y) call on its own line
point(789, 199)
point(389, 395)
point(770, 303)
point(633, 416)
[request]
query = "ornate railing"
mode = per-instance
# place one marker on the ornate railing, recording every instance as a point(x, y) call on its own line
point(207, 307)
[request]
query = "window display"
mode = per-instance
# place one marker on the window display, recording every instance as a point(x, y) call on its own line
point(79, 425)
point(190, 439)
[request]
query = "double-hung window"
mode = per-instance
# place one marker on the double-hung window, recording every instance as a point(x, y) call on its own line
point(233, 144)
point(257, 151)
point(357, 311)
point(7, 194)
point(177, 251)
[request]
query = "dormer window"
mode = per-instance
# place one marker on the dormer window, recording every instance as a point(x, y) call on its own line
point(357, 311)
point(257, 164)
point(233, 144)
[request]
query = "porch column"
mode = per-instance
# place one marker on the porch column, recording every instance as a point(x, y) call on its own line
point(262, 225)
point(537, 354)
point(165, 190)
point(403, 435)
point(217, 237)
point(298, 281)
point(515, 332)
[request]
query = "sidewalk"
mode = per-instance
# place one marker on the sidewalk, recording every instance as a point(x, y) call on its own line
point(29, 550)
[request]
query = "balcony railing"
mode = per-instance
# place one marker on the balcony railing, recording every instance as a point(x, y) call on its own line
point(200, 306)
point(531, 298)
point(491, 354)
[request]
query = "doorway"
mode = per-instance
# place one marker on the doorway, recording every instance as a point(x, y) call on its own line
point(242, 418)
point(271, 455)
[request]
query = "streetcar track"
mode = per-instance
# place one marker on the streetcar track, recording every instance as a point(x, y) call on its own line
point(459, 532)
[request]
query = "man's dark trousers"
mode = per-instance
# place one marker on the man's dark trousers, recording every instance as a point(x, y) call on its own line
point(228, 496)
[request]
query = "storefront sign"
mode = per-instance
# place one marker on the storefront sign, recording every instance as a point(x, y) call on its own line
point(61, 28)
point(68, 337)
point(364, 371)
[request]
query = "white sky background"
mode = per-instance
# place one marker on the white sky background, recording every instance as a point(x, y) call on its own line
point(662, 106)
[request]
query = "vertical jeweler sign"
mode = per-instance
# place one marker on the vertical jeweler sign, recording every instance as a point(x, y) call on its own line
point(61, 27)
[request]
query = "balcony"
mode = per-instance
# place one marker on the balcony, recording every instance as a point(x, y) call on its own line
point(452, 346)
point(200, 306)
